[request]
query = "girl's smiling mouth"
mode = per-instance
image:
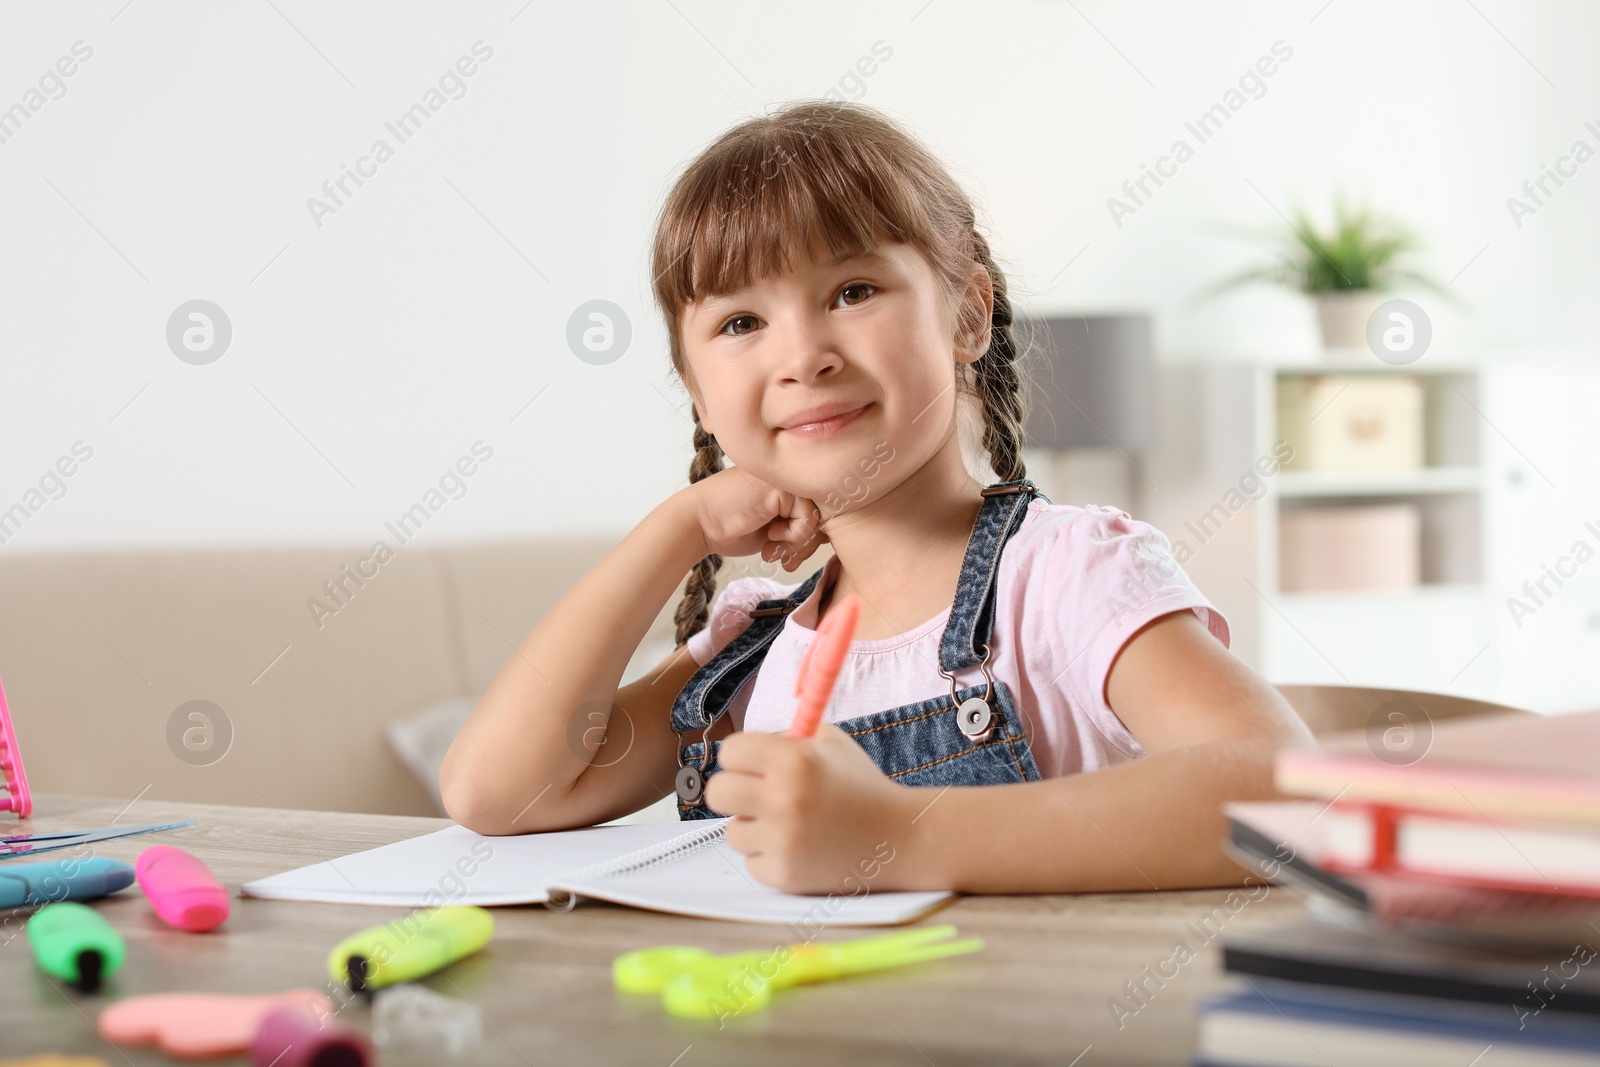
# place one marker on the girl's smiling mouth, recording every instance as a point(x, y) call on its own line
point(823, 421)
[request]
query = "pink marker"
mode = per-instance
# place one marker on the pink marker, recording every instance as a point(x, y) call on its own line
point(181, 889)
point(296, 1036)
point(819, 667)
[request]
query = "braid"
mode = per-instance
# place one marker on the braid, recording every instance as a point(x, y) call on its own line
point(695, 607)
point(999, 383)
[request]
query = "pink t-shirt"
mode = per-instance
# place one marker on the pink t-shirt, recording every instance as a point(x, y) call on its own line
point(1074, 584)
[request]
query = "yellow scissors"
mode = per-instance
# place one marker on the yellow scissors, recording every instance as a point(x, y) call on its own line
point(694, 984)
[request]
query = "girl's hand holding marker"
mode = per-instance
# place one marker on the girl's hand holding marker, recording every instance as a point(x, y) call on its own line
point(809, 804)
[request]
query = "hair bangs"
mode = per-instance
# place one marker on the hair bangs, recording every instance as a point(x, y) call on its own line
point(757, 203)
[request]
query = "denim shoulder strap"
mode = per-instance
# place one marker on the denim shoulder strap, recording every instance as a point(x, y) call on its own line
point(966, 635)
point(710, 689)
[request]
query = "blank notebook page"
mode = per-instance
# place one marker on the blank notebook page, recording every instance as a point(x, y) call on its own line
point(461, 866)
point(659, 866)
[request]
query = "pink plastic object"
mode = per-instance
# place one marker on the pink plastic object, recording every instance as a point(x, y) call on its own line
point(181, 889)
point(199, 1024)
point(296, 1037)
point(18, 799)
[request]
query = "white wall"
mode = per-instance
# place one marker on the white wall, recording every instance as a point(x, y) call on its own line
point(371, 352)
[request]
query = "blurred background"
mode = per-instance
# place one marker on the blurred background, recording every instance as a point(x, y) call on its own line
point(328, 358)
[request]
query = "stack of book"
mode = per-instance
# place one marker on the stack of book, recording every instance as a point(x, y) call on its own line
point(1454, 897)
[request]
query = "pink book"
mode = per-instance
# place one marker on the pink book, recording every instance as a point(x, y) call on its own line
point(1533, 768)
point(1301, 842)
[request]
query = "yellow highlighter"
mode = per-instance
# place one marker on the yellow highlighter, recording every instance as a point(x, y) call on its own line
point(694, 984)
point(413, 947)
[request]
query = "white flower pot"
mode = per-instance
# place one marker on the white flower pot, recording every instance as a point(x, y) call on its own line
point(1343, 317)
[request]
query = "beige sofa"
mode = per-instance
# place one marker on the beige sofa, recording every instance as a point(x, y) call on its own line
point(99, 653)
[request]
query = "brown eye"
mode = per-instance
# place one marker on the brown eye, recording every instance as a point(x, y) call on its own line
point(736, 318)
point(856, 286)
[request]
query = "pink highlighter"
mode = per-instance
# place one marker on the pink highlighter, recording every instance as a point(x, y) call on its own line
point(181, 889)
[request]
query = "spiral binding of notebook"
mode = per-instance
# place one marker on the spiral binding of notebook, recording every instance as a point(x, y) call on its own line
point(637, 860)
point(17, 798)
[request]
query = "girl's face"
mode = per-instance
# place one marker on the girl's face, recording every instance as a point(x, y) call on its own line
point(813, 380)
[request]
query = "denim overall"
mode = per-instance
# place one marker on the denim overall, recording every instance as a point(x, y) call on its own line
point(974, 736)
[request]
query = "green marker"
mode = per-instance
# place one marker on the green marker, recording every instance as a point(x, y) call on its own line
point(413, 947)
point(73, 943)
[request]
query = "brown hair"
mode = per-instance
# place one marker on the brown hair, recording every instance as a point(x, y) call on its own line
point(847, 177)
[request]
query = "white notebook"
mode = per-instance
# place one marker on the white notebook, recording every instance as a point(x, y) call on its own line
point(659, 866)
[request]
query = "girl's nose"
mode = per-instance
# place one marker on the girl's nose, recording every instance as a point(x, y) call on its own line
point(810, 352)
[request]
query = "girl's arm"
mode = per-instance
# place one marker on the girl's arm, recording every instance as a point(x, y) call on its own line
point(543, 749)
point(1210, 728)
point(515, 762)
point(816, 815)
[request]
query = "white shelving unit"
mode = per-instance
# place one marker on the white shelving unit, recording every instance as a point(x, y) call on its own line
point(1436, 636)
point(1510, 503)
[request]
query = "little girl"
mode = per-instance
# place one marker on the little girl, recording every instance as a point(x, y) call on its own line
point(832, 308)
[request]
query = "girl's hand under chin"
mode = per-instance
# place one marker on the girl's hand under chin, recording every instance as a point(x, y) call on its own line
point(741, 515)
point(813, 814)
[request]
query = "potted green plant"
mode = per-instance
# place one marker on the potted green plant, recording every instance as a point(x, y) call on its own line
point(1347, 271)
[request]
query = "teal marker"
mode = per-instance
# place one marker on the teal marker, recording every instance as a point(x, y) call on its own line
point(51, 881)
point(73, 943)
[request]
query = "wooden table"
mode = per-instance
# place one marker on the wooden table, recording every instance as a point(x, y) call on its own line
point(1039, 992)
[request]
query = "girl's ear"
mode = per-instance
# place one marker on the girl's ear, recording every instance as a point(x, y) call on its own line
point(977, 307)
